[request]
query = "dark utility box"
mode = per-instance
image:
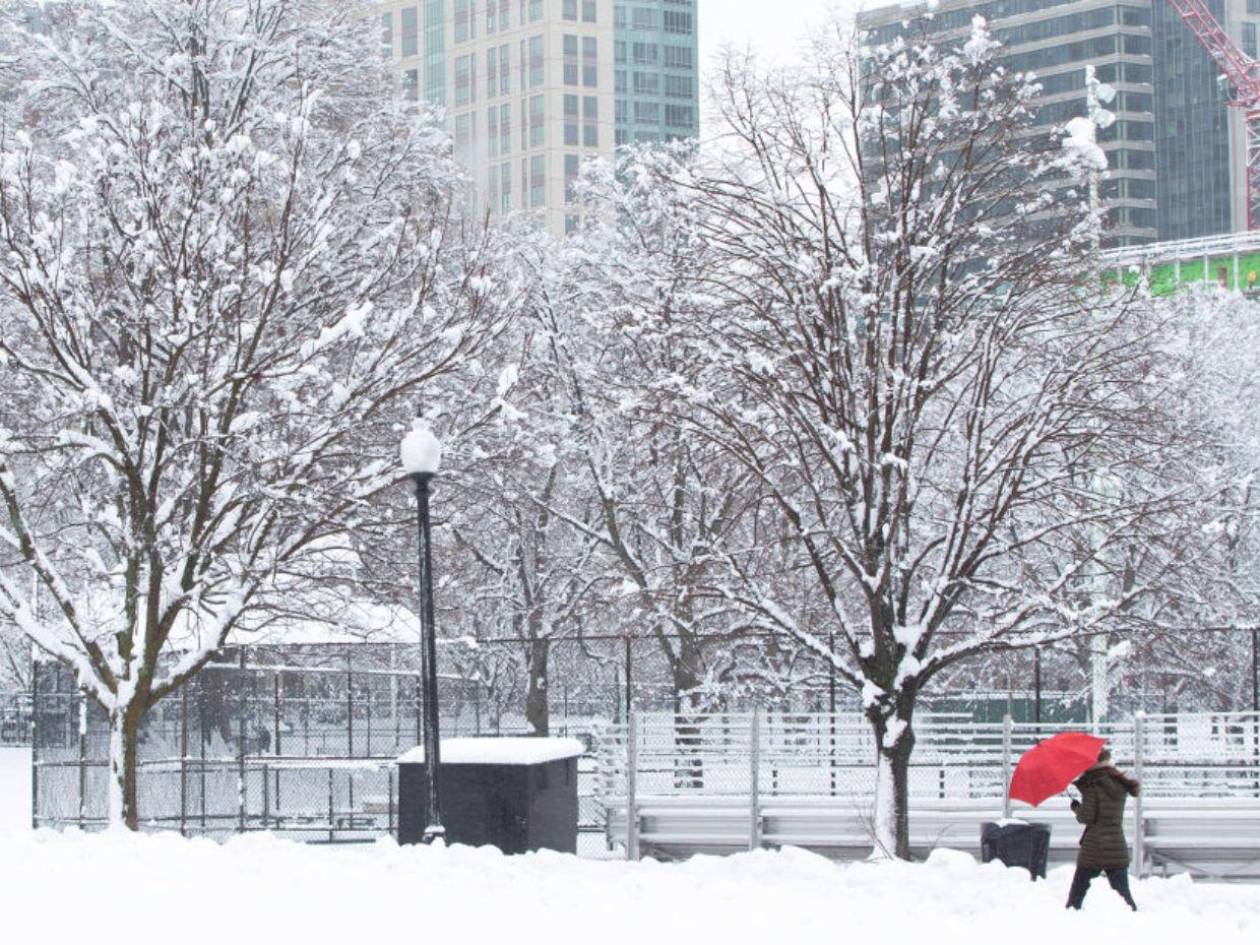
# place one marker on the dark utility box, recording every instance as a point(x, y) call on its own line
point(515, 806)
point(1026, 845)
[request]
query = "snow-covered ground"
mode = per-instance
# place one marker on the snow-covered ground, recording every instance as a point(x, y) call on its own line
point(258, 888)
point(15, 789)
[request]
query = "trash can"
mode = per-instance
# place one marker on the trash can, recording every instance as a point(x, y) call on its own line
point(517, 794)
point(1017, 843)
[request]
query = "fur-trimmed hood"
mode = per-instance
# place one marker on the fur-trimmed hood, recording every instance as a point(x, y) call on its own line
point(1107, 776)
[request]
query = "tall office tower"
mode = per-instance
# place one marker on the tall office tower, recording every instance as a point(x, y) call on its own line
point(1177, 152)
point(657, 81)
point(530, 87)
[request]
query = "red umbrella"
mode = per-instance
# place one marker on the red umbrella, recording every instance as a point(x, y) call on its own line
point(1050, 766)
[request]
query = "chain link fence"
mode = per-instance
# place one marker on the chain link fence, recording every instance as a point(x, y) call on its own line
point(302, 738)
point(15, 719)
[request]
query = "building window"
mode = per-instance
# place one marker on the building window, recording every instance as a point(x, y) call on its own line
point(622, 111)
point(387, 32)
point(679, 57)
point(505, 182)
point(492, 26)
point(619, 82)
point(622, 137)
point(679, 116)
point(572, 163)
point(619, 17)
point(465, 79)
point(535, 61)
point(410, 35)
point(644, 18)
point(647, 113)
point(679, 86)
point(571, 120)
point(535, 10)
point(1253, 6)
point(570, 60)
point(492, 130)
point(411, 85)
point(647, 83)
point(590, 121)
point(537, 181)
point(590, 62)
point(619, 51)
point(1249, 39)
point(588, 11)
point(505, 129)
point(465, 27)
point(505, 14)
point(537, 129)
point(569, 9)
point(492, 191)
point(679, 23)
point(463, 131)
point(492, 74)
point(644, 54)
point(435, 51)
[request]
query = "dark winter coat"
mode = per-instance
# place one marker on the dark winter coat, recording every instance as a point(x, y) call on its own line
point(1101, 809)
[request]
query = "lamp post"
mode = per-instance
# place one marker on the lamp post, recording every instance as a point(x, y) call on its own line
point(421, 455)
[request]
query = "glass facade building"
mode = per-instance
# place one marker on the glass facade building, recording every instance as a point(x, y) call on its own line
point(657, 58)
point(531, 88)
point(1176, 151)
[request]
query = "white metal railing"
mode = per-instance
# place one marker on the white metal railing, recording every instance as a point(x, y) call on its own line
point(1226, 244)
point(717, 765)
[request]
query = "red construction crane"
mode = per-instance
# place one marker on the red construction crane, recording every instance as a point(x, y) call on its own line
point(1243, 72)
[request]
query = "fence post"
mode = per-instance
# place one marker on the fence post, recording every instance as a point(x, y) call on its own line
point(240, 748)
point(1139, 759)
point(349, 705)
point(183, 760)
point(632, 765)
point(1007, 731)
point(83, 760)
point(754, 776)
point(34, 743)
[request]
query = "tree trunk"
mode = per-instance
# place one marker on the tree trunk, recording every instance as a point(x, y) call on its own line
point(894, 744)
point(124, 757)
point(689, 766)
point(537, 713)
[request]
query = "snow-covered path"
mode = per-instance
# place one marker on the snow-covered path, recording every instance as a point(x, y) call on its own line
point(15, 789)
point(258, 888)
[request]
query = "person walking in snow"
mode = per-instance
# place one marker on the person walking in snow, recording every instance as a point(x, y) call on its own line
point(1104, 790)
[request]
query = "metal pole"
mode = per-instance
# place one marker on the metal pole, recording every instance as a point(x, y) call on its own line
point(632, 765)
point(433, 829)
point(83, 760)
point(1007, 726)
point(183, 760)
point(240, 748)
point(831, 705)
point(34, 741)
point(349, 705)
point(629, 680)
point(1139, 825)
point(1037, 685)
point(754, 779)
point(1255, 669)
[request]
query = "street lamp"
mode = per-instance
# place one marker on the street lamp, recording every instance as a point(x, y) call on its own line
point(421, 454)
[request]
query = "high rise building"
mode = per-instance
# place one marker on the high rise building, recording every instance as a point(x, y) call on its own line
point(1177, 151)
point(531, 88)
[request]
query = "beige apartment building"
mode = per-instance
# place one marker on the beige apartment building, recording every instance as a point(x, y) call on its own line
point(532, 88)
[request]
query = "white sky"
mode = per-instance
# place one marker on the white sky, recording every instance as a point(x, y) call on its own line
point(772, 27)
